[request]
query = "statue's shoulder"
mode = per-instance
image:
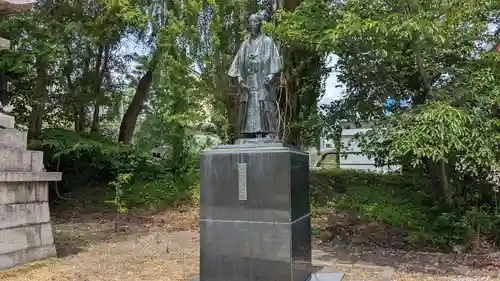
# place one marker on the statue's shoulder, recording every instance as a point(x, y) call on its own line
point(267, 39)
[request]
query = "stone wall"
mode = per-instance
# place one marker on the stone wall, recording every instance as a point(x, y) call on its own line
point(25, 227)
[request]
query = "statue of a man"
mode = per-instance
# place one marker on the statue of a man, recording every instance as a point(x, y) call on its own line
point(257, 66)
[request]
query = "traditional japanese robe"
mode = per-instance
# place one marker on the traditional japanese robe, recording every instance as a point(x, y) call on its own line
point(255, 60)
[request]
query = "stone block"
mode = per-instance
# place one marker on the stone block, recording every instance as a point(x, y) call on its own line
point(4, 44)
point(333, 276)
point(7, 121)
point(17, 160)
point(254, 215)
point(23, 192)
point(26, 237)
point(13, 215)
point(37, 165)
point(30, 176)
point(249, 251)
point(277, 181)
point(13, 138)
point(13, 259)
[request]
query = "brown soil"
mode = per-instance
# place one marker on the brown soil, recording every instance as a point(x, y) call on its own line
point(165, 247)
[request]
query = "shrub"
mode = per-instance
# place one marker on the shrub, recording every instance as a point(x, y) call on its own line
point(84, 159)
point(403, 201)
point(88, 160)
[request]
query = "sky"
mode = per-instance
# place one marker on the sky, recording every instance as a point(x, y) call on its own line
point(332, 92)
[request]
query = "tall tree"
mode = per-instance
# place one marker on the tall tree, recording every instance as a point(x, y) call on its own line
point(159, 14)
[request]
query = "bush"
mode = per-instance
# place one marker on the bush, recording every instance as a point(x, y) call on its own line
point(157, 184)
point(402, 201)
point(88, 160)
point(84, 159)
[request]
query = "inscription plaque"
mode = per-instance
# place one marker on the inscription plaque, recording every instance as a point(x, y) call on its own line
point(242, 181)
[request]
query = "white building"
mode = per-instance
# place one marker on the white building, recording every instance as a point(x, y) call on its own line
point(350, 156)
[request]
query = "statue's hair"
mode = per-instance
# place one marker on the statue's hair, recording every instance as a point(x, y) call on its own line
point(258, 16)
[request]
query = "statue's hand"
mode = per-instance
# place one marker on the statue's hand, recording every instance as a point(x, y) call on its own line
point(240, 82)
point(269, 79)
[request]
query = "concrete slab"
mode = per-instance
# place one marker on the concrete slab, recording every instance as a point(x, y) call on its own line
point(23, 192)
point(13, 259)
point(26, 237)
point(20, 160)
point(4, 44)
point(13, 138)
point(7, 121)
point(14, 215)
point(30, 176)
point(326, 276)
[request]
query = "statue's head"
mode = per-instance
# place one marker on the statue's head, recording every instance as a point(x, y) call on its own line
point(254, 22)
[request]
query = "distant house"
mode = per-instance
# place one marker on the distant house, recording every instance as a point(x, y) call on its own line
point(349, 156)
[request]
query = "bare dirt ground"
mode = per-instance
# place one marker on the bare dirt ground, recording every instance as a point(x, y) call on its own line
point(165, 247)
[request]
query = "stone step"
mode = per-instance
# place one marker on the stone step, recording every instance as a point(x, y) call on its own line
point(23, 192)
point(33, 236)
point(12, 138)
point(13, 259)
point(15, 215)
point(17, 160)
point(7, 121)
point(16, 177)
point(33, 244)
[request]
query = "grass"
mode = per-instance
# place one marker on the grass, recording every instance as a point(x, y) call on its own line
point(393, 200)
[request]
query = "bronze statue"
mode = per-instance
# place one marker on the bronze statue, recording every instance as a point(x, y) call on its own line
point(257, 66)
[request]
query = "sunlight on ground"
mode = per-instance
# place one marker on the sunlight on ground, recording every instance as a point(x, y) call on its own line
point(163, 247)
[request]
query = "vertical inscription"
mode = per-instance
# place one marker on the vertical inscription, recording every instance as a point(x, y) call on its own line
point(242, 181)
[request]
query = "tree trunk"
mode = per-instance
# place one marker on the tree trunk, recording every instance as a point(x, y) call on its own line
point(80, 100)
point(440, 186)
point(232, 106)
point(445, 187)
point(252, 6)
point(101, 67)
point(131, 115)
point(438, 170)
point(38, 105)
point(71, 88)
point(82, 119)
point(289, 5)
point(3, 89)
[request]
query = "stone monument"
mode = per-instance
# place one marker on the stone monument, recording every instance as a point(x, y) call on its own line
point(25, 228)
point(255, 214)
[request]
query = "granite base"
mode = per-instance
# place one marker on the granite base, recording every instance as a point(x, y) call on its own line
point(318, 276)
point(255, 213)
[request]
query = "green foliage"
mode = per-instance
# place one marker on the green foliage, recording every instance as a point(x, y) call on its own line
point(118, 202)
point(83, 158)
point(428, 53)
point(425, 51)
point(134, 175)
point(436, 131)
point(401, 201)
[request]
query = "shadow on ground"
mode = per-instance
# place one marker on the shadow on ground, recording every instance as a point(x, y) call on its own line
point(81, 224)
point(85, 220)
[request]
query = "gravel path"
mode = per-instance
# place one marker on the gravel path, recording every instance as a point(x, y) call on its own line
point(165, 247)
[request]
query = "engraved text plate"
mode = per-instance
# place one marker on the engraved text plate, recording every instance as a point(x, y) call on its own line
point(242, 181)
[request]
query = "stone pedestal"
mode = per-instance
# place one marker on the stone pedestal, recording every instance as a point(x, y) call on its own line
point(255, 214)
point(25, 228)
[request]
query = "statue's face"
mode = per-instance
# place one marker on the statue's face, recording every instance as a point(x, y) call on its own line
point(254, 23)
